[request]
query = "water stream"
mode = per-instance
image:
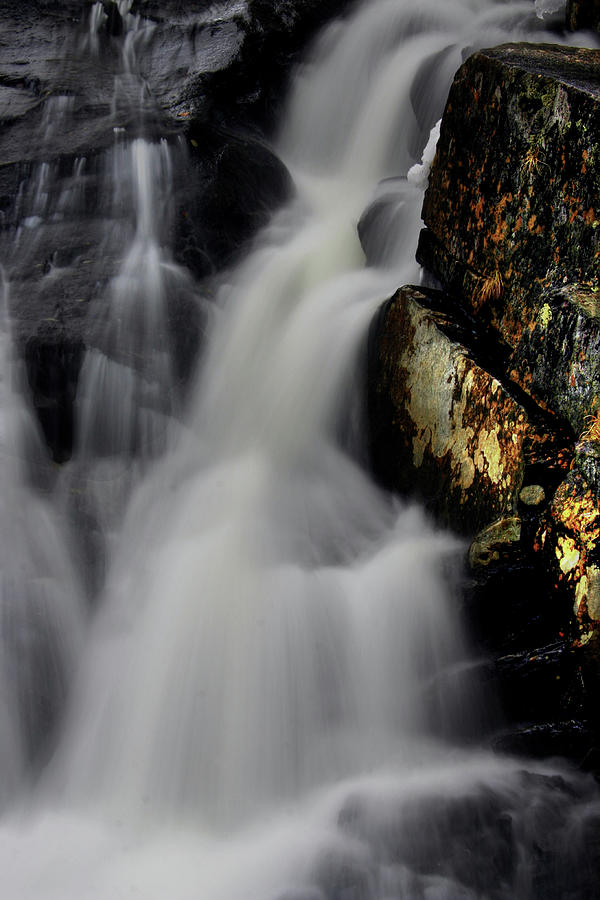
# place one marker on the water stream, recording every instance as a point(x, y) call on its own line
point(265, 700)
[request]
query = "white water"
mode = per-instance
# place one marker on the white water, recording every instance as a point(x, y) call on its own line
point(126, 382)
point(257, 700)
point(41, 617)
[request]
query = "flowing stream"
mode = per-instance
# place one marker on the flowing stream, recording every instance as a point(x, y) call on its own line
point(266, 699)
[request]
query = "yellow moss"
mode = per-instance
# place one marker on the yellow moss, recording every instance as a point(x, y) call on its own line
point(545, 316)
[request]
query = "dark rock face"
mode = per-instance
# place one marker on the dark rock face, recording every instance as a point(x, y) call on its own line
point(238, 182)
point(524, 837)
point(583, 14)
point(212, 79)
point(272, 37)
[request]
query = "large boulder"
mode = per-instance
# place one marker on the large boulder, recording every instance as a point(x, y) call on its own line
point(479, 392)
point(236, 181)
point(512, 214)
point(447, 424)
point(441, 422)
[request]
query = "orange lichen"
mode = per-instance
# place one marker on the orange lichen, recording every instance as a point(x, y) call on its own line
point(531, 225)
point(478, 210)
point(498, 215)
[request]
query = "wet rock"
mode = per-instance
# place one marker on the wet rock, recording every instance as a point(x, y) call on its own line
point(274, 35)
point(436, 411)
point(239, 182)
point(302, 894)
point(569, 538)
point(489, 545)
point(15, 102)
point(523, 836)
point(512, 235)
point(583, 14)
point(570, 739)
point(536, 685)
point(511, 214)
point(377, 226)
point(587, 460)
point(440, 423)
point(114, 20)
point(53, 365)
point(556, 357)
point(467, 839)
point(202, 65)
point(344, 876)
point(241, 56)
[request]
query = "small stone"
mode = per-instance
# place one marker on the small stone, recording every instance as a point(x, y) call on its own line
point(532, 495)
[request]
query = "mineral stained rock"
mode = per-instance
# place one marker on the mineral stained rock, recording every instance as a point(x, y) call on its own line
point(441, 423)
point(479, 392)
point(512, 214)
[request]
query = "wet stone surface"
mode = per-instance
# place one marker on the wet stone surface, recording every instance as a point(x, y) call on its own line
point(440, 422)
point(77, 81)
point(512, 238)
point(511, 212)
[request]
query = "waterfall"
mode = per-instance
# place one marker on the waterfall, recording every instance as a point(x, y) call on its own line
point(265, 699)
point(41, 615)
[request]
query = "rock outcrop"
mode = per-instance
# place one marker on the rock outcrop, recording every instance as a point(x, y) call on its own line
point(485, 396)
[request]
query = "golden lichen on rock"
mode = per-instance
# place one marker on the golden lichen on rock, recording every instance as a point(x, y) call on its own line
point(457, 428)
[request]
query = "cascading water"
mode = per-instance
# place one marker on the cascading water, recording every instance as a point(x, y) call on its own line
point(41, 616)
point(265, 694)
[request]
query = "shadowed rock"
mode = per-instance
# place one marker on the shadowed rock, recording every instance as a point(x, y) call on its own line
point(583, 14)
